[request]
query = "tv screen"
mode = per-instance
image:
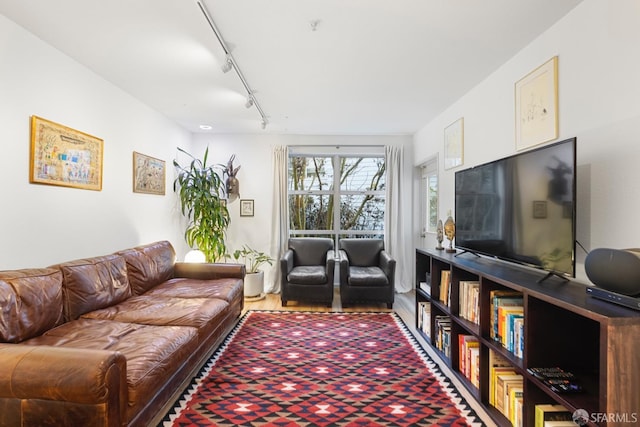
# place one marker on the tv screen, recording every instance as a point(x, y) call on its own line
point(521, 208)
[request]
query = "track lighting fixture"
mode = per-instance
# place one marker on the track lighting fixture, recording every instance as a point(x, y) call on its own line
point(227, 65)
point(249, 102)
point(230, 63)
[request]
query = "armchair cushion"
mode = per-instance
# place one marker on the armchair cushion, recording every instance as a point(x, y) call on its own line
point(310, 251)
point(367, 276)
point(308, 275)
point(362, 252)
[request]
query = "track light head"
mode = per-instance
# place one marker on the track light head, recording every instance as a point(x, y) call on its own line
point(227, 65)
point(249, 102)
point(263, 125)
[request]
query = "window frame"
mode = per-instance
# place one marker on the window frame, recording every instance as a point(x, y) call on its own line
point(336, 230)
point(429, 199)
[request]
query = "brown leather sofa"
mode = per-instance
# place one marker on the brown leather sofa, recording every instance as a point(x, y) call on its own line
point(109, 340)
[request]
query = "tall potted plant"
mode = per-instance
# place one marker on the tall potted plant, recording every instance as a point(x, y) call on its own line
point(254, 278)
point(199, 187)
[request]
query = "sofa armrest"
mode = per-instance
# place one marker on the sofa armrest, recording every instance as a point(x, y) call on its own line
point(205, 271)
point(43, 383)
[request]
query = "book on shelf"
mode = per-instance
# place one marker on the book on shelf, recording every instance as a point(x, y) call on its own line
point(445, 285)
point(443, 334)
point(551, 412)
point(516, 393)
point(474, 366)
point(469, 300)
point(518, 403)
point(512, 390)
point(506, 319)
point(518, 337)
point(497, 365)
point(425, 287)
point(501, 298)
point(424, 317)
point(503, 382)
point(469, 354)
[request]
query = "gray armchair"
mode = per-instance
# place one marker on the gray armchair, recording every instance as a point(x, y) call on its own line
point(308, 270)
point(367, 272)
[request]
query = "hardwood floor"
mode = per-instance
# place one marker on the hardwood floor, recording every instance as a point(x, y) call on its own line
point(404, 306)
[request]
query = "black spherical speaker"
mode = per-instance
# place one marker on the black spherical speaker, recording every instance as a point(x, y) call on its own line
point(616, 270)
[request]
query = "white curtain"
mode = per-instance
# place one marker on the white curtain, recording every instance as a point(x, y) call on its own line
point(394, 226)
point(280, 219)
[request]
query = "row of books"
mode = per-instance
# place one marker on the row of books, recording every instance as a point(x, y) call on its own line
point(505, 388)
point(442, 334)
point(507, 320)
point(553, 415)
point(470, 300)
point(445, 287)
point(469, 358)
point(424, 317)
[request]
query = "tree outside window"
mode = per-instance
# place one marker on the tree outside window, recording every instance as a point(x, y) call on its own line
point(339, 196)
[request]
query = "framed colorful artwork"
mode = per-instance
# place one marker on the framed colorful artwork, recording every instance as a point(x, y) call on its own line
point(64, 156)
point(148, 174)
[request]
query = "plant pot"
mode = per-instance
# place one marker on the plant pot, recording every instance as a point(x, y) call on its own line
point(253, 284)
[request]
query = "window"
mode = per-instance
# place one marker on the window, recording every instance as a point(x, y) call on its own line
point(429, 196)
point(337, 195)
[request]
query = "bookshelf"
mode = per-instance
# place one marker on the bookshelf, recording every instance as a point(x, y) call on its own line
point(549, 324)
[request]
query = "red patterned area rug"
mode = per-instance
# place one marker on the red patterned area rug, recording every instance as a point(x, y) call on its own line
point(320, 369)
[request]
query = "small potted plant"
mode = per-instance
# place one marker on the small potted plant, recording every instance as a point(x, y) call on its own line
point(253, 260)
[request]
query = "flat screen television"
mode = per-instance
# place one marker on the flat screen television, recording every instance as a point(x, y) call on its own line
point(521, 208)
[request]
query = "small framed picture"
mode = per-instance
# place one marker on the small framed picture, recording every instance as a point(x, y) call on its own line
point(246, 207)
point(539, 209)
point(148, 174)
point(454, 144)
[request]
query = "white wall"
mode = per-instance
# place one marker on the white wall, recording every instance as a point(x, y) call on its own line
point(40, 224)
point(599, 92)
point(254, 156)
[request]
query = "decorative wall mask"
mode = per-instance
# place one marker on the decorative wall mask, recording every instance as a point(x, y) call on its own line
point(233, 185)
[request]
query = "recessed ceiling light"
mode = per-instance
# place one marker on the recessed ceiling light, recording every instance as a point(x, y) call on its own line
point(206, 127)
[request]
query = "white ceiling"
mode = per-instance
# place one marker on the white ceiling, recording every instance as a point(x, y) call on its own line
point(371, 67)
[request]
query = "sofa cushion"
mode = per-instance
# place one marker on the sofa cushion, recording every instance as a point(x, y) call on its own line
point(153, 353)
point(93, 283)
point(30, 303)
point(149, 265)
point(229, 290)
point(205, 314)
